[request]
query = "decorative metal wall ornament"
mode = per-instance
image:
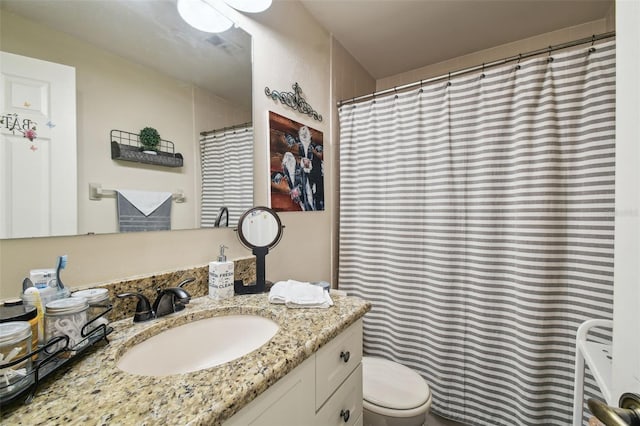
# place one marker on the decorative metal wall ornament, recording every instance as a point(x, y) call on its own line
point(294, 100)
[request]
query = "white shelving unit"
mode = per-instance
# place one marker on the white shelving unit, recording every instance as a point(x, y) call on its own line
point(598, 357)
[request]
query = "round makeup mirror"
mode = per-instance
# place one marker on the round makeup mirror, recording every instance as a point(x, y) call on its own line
point(259, 229)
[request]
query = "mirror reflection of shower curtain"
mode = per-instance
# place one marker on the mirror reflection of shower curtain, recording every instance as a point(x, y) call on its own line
point(478, 218)
point(227, 173)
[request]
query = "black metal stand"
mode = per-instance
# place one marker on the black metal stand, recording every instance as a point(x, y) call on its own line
point(53, 355)
point(259, 286)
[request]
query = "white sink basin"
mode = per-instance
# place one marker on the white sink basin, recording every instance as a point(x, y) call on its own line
point(198, 345)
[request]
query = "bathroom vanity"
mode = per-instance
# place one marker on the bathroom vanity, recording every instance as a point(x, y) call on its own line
point(308, 373)
point(326, 389)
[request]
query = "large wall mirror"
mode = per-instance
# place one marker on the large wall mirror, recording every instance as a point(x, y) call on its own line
point(128, 64)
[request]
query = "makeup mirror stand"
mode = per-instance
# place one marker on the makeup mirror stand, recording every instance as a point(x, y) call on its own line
point(260, 283)
point(259, 229)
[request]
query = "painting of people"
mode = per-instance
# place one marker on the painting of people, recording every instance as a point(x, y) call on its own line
point(296, 165)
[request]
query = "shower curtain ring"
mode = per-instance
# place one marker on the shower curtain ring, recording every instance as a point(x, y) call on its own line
point(396, 92)
point(518, 63)
point(449, 82)
point(550, 58)
point(420, 91)
point(593, 40)
point(482, 75)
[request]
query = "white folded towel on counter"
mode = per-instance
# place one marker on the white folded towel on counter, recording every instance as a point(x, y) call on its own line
point(297, 294)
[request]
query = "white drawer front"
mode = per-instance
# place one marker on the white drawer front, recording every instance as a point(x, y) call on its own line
point(288, 402)
point(336, 360)
point(344, 408)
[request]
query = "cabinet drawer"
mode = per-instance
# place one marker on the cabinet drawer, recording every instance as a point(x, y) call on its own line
point(336, 360)
point(289, 401)
point(344, 408)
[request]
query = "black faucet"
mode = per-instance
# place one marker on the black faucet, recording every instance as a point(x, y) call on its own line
point(223, 211)
point(172, 299)
point(168, 301)
point(143, 308)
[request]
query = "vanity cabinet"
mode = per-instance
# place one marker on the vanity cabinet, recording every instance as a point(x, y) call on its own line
point(326, 389)
point(345, 405)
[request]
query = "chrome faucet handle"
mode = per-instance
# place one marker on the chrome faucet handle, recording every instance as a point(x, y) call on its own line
point(143, 308)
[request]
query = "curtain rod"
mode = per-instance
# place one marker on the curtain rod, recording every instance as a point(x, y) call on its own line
point(224, 129)
point(462, 71)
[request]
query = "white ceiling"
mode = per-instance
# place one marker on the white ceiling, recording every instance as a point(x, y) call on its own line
point(389, 37)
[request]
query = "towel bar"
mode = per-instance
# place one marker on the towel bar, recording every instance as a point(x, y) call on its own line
point(97, 192)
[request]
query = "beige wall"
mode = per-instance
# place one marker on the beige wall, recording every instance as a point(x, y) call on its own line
point(497, 53)
point(113, 93)
point(289, 47)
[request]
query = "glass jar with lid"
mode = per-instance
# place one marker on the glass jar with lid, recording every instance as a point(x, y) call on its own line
point(13, 311)
point(15, 342)
point(98, 299)
point(66, 317)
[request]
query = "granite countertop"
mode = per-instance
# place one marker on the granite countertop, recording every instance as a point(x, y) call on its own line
point(94, 391)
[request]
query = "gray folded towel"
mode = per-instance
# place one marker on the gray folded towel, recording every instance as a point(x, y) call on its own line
point(130, 219)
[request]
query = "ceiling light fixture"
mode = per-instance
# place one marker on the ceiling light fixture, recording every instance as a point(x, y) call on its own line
point(251, 6)
point(204, 16)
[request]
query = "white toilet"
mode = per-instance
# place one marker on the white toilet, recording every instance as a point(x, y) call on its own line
point(393, 395)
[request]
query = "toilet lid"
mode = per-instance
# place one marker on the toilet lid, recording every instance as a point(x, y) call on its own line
point(392, 385)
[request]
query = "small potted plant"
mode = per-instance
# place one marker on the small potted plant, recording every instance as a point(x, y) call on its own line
point(149, 139)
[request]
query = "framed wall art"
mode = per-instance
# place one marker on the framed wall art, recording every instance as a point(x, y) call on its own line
point(296, 165)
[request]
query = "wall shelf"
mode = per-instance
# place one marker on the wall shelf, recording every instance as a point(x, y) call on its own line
point(126, 146)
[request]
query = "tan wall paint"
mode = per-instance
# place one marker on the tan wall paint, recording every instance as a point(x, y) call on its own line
point(289, 47)
point(497, 53)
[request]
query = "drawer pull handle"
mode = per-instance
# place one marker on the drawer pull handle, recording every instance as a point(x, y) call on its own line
point(345, 415)
point(345, 356)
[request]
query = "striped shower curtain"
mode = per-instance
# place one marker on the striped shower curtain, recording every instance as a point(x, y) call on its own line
point(227, 173)
point(477, 216)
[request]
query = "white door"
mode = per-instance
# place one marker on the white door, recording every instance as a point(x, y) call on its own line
point(626, 307)
point(38, 177)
